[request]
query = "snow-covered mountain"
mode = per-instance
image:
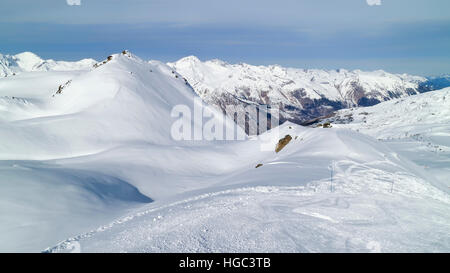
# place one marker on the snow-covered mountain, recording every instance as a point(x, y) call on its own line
point(27, 61)
point(300, 94)
point(88, 159)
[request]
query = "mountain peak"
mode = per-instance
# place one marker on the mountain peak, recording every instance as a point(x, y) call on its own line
point(27, 55)
point(28, 60)
point(189, 59)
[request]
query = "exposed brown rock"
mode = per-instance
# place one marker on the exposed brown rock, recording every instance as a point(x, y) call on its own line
point(282, 143)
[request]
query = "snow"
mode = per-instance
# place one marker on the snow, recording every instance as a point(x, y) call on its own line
point(417, 127)
point(378, 203)
point(411, 115)
point(96, 165)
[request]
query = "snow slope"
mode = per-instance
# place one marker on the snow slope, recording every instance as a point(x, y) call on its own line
point(124, 104)
point(417, 127)
point(27, 61)
point(300, 94)
point(403, 117)
point(89, 155)
point(377, 202)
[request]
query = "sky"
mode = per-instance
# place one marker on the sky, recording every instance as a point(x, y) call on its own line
point(400, 36)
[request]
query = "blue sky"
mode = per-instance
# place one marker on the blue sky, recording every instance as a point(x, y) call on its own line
point(411, 36)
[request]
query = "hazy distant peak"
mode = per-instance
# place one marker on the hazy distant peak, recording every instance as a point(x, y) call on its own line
point(28, 62)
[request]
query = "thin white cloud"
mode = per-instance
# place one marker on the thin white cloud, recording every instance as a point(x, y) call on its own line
point(374, 2)
point(73, 2)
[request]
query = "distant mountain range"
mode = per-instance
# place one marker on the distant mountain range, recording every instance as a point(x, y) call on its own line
point(300, 94)
point(27, 62)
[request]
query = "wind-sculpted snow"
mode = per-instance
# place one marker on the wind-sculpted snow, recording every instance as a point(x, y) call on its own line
point(300, 94)
point(40, 202)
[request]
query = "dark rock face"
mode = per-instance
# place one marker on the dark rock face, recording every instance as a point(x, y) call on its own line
point(303, 110)
point(434, 83)
point(367, 101)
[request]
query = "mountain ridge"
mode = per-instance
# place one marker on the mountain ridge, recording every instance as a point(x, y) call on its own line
point(300, 94)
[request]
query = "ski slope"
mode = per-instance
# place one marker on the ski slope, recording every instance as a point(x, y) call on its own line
point(377, 202)
point(87, 158)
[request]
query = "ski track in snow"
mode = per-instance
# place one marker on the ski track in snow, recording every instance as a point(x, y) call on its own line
point(260, 216)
